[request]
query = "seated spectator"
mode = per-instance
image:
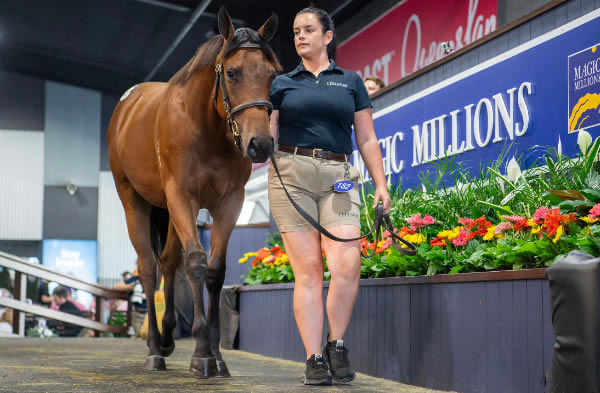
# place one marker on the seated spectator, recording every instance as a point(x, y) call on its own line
point(138, 301)
point(44, 297)
point(373, 84)
point(126, 275)
point(6, 314)
point(65, 305)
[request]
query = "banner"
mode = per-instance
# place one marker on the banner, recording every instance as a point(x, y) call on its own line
point(534, 96)
point(409, 36)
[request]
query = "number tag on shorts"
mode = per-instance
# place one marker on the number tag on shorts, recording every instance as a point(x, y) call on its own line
point(343, 186)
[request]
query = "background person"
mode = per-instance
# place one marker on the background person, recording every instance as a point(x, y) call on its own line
point(65, 305)
point(373, 84)
point(314, 108)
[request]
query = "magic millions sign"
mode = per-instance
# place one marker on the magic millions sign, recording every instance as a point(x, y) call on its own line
point(533, 95)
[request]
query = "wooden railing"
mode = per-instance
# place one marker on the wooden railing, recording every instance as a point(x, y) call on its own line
point(23, 268)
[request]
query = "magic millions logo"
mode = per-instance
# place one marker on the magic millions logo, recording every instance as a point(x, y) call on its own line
point(584, 88)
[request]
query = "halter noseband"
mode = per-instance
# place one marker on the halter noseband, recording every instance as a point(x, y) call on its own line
point(231, 123)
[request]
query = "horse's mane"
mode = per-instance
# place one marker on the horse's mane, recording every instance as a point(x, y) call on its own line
point(206, 55)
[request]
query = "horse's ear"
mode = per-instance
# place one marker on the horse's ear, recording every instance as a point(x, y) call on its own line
point(225, 26)
point(267, 31)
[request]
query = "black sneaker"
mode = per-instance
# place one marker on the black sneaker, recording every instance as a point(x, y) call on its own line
point(317, 371)
point(336, 355)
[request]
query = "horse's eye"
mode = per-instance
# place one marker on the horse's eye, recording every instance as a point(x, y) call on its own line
point(231, 74)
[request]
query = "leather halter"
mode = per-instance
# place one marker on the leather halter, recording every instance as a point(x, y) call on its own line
point(231, 123)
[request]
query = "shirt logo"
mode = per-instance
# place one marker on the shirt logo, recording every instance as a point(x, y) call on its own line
point(337, 84)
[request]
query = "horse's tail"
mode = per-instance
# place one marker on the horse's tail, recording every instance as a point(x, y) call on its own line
point(159, 227)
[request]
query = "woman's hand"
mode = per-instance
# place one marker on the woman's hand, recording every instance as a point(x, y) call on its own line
point(381, 194)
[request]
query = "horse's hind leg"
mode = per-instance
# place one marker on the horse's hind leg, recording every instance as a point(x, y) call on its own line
point(169, 261)
point(223, 222)
point(137, 213)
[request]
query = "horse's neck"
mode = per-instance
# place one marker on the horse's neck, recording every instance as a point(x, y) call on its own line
point(198, 92)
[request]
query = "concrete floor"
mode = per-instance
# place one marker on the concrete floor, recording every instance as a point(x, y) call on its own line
point(116, 365)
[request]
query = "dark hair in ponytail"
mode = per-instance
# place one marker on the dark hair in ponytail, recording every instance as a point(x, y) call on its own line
point(327, 24)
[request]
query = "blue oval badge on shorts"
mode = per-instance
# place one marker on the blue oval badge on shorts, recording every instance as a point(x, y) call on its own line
point(343, 186)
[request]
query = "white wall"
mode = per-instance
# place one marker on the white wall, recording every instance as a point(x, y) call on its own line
point(115, 252)
point(21, 184)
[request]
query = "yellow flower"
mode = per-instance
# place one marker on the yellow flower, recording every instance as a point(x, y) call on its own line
point(455, 233)
point(587, 231)
point(588, 220)
point(500, 236)
point(247, 256)
point(388, 251)
point(445, 233)
point(535, 229)
point(531, 223)
point(559, 232)
point(490, 233)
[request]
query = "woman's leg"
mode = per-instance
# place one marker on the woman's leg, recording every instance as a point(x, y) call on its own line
point(343, 261)
point(304, 251)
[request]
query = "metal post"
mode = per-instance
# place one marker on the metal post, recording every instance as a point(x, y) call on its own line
point(99, 313)
point(20, 293)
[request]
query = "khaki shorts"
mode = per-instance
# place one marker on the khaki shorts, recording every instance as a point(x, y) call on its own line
point(310, 183)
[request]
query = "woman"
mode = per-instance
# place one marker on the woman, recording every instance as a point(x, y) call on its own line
point(315, 107)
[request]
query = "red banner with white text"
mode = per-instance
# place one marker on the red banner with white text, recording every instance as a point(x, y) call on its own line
point(409, 36)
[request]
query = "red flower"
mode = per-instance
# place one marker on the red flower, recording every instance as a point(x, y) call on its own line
point(463, 238)
point(551, 221)
point(520, 225)
point(438, 242)
point(482, 226)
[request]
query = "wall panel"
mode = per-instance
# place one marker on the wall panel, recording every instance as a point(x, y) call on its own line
point(72, 135)
point(115, 252)
point(21, 185)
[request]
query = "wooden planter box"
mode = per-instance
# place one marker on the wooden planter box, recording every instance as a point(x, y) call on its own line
point(471, 332)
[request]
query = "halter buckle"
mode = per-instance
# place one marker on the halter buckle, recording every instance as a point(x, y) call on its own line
point(315, 151)
point(218, 67)
point(234, 128)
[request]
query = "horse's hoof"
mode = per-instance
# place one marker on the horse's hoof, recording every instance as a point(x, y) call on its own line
point(155, 363)
point(222, 371)
point(166, 351)
point(203, 367)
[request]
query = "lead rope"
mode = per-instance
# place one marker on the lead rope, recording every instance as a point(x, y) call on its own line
point(381, 220)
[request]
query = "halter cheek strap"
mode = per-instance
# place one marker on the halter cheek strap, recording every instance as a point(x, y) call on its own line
point(231, 123)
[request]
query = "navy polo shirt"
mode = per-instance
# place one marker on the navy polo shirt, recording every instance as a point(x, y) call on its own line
point(318, 112)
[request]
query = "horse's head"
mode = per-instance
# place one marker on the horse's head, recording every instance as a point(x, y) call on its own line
point(248, 68)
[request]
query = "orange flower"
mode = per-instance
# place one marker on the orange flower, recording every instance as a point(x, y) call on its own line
point(438, 242)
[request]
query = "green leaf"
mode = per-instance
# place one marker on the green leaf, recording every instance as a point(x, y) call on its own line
point(456, 269)
point(591, 194)
point(411, 273)
point(567, 195)
point(569, 206)
point(501, 210)
point(553, 199)
point(590, 157)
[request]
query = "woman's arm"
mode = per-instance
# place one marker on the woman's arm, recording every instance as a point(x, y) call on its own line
point(275, 125)
point(368, 146)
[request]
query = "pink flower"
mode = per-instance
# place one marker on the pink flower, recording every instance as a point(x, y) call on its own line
point(466, 221)
point(539, 214)
point(594, 212)
point(416, 222)
point(462, 239)
point(428, 220)
point(503, 227)
point(514, 218)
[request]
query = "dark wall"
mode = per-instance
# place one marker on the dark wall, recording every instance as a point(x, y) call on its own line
point(70, 217)
point(242, 240)
point(477, 337)
point(21, 102)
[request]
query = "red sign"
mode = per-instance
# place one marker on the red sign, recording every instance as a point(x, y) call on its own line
point(410, 36)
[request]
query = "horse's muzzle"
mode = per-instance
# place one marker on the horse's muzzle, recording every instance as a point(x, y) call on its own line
point(260, 148)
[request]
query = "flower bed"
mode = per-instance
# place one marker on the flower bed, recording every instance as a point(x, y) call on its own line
point(480, 223)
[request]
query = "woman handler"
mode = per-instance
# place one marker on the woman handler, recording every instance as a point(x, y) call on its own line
point(315, 107)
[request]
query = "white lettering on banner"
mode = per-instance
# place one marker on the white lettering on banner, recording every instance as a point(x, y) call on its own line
point(429, 138)
point(379, 64)
point(475, 29)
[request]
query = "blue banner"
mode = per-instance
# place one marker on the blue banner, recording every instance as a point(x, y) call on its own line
point(532, 95)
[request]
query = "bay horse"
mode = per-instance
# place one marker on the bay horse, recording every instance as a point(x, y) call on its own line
point(188, 144)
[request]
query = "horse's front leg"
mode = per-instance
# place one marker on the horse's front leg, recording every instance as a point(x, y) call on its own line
point(224, 220)
point(183, 210)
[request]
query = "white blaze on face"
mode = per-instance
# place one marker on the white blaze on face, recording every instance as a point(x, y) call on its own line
point(127, 92)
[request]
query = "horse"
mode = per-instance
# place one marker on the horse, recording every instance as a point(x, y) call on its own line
point(187, 144)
